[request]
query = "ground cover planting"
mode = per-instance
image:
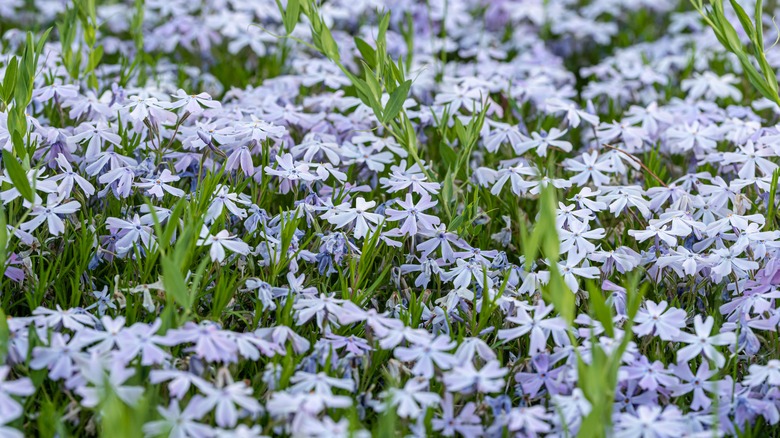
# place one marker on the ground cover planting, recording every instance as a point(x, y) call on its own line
point(245, 218)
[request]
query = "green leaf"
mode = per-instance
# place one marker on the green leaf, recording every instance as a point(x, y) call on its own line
point(771, 208)
point(759, 13)
point(448, 155)
point(18, 176)
point(600, 309)
point(396, 102)
point(744, 19)
point(328, 45)
point(174, 283)
point(456, 223)
point(9, 81)
point(94, 59)
point(384, 24)
point(5, 335)
point(366, 51)
point(291, 15)
point(447, 187)
point(16, 137)
point(3, 237)
point(373, 84)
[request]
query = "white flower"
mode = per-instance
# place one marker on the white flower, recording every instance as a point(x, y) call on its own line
point(410, 400)
point(219, 242)
point(703, 343)
point(344, 215)
point(50, 214)
point(157, 185)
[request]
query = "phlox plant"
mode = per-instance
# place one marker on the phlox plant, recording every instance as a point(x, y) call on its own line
point(464, 218)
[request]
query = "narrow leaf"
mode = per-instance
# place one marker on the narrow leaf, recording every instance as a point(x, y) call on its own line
point(18, 176)
point(396, 102)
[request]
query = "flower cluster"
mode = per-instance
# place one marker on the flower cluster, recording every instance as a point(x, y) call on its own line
point(210, 230)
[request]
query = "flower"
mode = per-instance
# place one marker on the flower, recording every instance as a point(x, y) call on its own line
point(224, 401)
point(111, 382)
point(531, 420)
point(290, 172)
point(466, 423)
point(537, 325)
point(345, 215)
point(193, 104)
point(156, 186)
point(224, 199)
point(542, 141)
point(650, 422)
point(178, 423)
point(132, 232)
point(50, 214)
point(656, 319)
point(760, 374)
point(427, 352)
point(412, 215)
point(217, 244)
point(465, 378)
point(412, 399)
point(697, 383)
point(10, 409)
point(702, 343)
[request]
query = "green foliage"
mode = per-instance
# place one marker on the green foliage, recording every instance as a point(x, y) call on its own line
point(771, 214)
point(18, 176)
point(81, 17)
point(18, 88)
point(765, 80)
point(598, 377)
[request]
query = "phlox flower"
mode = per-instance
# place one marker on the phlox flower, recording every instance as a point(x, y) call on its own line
point(221, 241)
point(241, 157)
point(224, 199)
point(10, 409)
point(50, 214)
point(530, 421)
point(542, 376)
point(211, 343)
point(289, 172)
point(466, 271)
point(542, 141)
point(411, 400)
point(590, 169)
point(466, 378)
point(323, 308)
point(114, 381)
point(651, 422)
point(178, 423)
point(156, 186)
point(224, 400)
point(760, 374)
point(71, 319)
point(321, 383)
point(142, 340)
point(703, 343)
point(514, 174)
point(133, 232)
point(68, 178)
point(412, 178)
point(574, 115)
point(466, 423)
point(344, 215)
point(658, 320)
point(412, 215)
point(427, 352)
point(538, 326)
point(38, 181)
point(193, 103)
